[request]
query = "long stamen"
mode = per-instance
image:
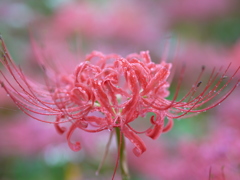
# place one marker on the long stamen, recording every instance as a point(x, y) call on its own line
point(105, 154)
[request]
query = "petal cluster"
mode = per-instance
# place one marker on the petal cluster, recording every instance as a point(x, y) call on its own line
point(109, 91)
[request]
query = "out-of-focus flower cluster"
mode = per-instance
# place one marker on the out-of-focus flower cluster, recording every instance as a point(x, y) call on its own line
point(213, 156)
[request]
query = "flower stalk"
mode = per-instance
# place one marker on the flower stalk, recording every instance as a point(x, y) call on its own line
point(122, 155)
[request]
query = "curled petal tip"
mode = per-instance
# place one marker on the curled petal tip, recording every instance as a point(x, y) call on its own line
point(75, 146)
point(59, 129)
point(138, 152)
point(155, 132)
point(138, 143)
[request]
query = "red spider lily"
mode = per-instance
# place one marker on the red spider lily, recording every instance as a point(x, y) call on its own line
point(109, 91)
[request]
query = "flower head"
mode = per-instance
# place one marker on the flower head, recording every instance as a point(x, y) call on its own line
point(109, 91)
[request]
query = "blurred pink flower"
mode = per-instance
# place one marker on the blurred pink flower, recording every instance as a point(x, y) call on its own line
point(111, 27)
point(191, 53)
point(114, 20)
point(16, 135)
point(216, 154)
point(196, 10)
point(109, 91)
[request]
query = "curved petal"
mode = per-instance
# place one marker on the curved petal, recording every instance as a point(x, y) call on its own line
point(139, 144)
point(156, 131)
point(168, 126)
point(74, 146)
point(59, 129)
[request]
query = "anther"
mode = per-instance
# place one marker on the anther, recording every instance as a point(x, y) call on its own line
point(199, 83)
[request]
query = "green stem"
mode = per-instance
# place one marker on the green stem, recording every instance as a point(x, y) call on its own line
point(122, 155)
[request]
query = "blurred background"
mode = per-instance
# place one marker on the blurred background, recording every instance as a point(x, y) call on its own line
point(193, 32)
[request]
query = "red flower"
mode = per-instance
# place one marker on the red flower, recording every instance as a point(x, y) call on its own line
point(109, 91)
